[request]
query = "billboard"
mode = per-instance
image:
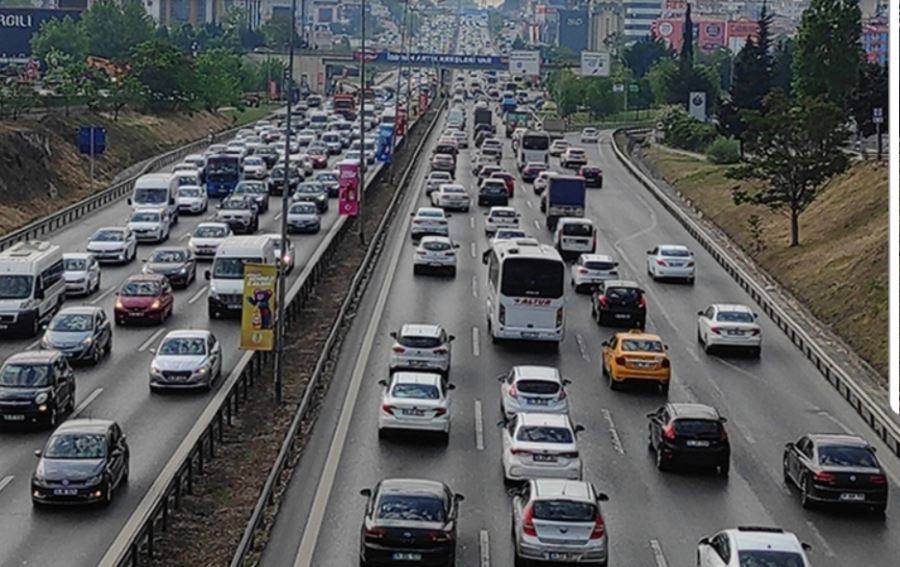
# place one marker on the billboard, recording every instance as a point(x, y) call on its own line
point(595, 64)
point(433, 59)
point(573, 29)
point(348, 179)
point(709, 33)
point(258, 311)
point(525, 63)
point(18, 25)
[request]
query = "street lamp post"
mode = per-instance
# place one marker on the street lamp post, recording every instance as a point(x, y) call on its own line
point(362, 127)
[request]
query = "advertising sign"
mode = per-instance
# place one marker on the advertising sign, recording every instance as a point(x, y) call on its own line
point(697, 105)
point(525, 62)
point(423, 101)
point(448, 60)
point(18, 25)
point(258, 308)
point(400, 122)
point(348, 180)
point(385, 143)
point(594, 64)
point(573, 29)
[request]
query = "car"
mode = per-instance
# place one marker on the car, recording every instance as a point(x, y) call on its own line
point(333, 142)
point(558, 147)
point(492, 192)
point(303, 217)
point(81, 272)
point(540, 182)
point(36, 387)
point(533, 389)
point(421, 346)
point(636, 356)
point(500, 217)
point(319, 157)
point(149, 224)
point(480, 161)
point(619, 301)
point(451, 196)
point(507, 177)
point(835, 469)
point(415, 401)
point(460, 138)
point(191, 199)
point(689, 434)
point(144, 297)
point(590, 135)
point(591, 269)
point(176, 263)
point(532, 169)
point(574, 236)
point(254, 168)
point(113, 244)
point(84, 461)
point(255, 190)
point(312, 192)
point(435, 253)
point(560, 521)
point(488, 171)
point(206, 238)
point(752, 545)
point(723, 325)
point(82, 334)
point(540, 445)
point(444, 162)
point(288, 256)
point(573, 158)
point(429, 221)
point(240, 213)
point(409, 520)
point(593, 176)
point(489, 155)
point(435, 179)
point(186, 359)
point(329, 179)
point(671, 261)
point(276, 181)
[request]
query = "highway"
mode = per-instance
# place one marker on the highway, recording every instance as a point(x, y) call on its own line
point(654, 518)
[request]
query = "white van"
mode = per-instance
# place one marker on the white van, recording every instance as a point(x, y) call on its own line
point(575, 236)
point(156, 190)
point(318, 120)
point(226, 278)
point(456, 118)
point(32, 286)
point(388, 116)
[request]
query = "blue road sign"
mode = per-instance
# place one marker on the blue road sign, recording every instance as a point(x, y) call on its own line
point(92, 136)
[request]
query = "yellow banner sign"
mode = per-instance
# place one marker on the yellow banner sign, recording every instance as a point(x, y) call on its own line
point(258, 310)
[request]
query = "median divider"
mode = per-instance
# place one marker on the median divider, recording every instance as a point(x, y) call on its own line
point(880, 420)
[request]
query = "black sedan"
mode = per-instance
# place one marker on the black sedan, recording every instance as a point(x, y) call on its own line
point(532, 170)
point(176, 263)
point(81, 333)
point(257, 191)
point(84, 461)
point(312, 192)
point(277, 181)
point(409, 521)
point(837, 469)
point(689, 434)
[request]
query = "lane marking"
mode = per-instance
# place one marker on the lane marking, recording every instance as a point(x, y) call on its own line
point(658, 554)
point(152, 338)
point(479, 426)
point(278, 215)
point(582, 348)
point(613, 432)
point(5, 481)
point(199, 294)
point(87, 401)
point(530, 204)
point(822, 542)
point(537, 225)
point(102, 296)
point(33, 345)
point(484, 542)
point(472, 222)
point(474, 286)
point(476, 345)
point(211, 217)
point(184, 236)
point(472, 250)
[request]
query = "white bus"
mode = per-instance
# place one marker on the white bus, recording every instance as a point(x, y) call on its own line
point(533, 146)
point(526, 291)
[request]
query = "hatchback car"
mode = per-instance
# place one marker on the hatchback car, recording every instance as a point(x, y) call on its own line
point(81, 333)
point(752, 545)
point(573, 158)
point(540, 445)
point(671, 261)
point(429, 221)
point(593, 176)
point(435, 253)
point(729, 326)
point(590, 136)
point(619, 302)
point(151, 225)
point(500, 217)
point(451, 196)
point(176, 263)
point(592, 269)
point(206, 238)
point(435, 179)
point(559, 521)
point(689, 434)
point(186, 359)
point(636, 356)
point(240, 213)
point(36, 387)
point(533, 389)
point(254, 167)
point(409, 521)
point(113, 244)
point(304, 217)
point(415, 401)
point(444, 162)
point(84, 461)
point(146, 297)
point(191, 199)
point(312, 192)
point(81, 272)
point(419, 346)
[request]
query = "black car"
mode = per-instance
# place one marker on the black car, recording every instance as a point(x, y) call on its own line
point(485, 127)
point(482, 135)
point(838, 469)
point(276, 180)
point(268, 155)
point(81, 333)
point(177, 263)
point(84, 461)
point(617, 302)
point(493, 194)
point(257, 191)
point(36, 387)
point(312, 192)
point(593, 176)
point(409, 521)
point(689, 434)
point(532, 170)
point(330, 180)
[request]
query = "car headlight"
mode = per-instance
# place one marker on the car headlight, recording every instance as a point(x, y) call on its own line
point(41, 398)
point(88, 341)
point(202, 371)
point(155, 305)
point(183, 271)
point(154, 370)
point(96, 479)
point(119, 304)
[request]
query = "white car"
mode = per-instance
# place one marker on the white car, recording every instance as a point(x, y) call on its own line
point(729, 326)
point(558, 147)
point(429, 221)
point(573, 158)
point(113, 244)
point(417, 401)
point(186, 359)
point(507, 234)
point(671, 261)
point(206, 238)
point(462, 141)
point(527, 389)
point(304, 216)
point(451, 196)
point(421, 346)
point(191, 199)
point(575, 236)
point(81, 272)
point(435, 253)
point(150, 224)
point(540, 445)
point(590, 136)
point(435, 179)
point(254, 168)
point(751, 545)
point(592, 269)
point(541, 181)
point(500, 217)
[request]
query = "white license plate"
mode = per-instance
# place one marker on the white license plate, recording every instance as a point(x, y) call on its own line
point(529, 335)
point(4, 326)
point(736, 333)
point(561, 556)
point(436, 265)
point(622, 316)
point(65, 491)
point(545, 458)
point(413, 413)
point(418, 363)
point(13, 417)
point(399, 556)
point(135, 314)
point(536, 402)
point(852, 497)
point(696, 443)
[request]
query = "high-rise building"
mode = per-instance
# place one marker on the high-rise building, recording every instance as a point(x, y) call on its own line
point(607, 23)
point(639, 15)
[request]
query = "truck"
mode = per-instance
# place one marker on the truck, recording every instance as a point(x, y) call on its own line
point(554, 125)
point(345, 105)
point(513, 120)
point(564, 197)
point(484, 116)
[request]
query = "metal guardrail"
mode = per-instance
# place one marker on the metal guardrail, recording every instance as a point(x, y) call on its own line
point(872, 413)
point(138, 536)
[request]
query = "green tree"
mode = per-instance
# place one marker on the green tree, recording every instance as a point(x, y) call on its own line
point(165, 73)
point(277, 32)
point(829, 52)
point(112, 29)
point(218, 79)
point(17, 98)
point(794, 151)
point(65, 35)
point(871, 92)
point(644, 53)
point(68, 74)
point(782, 66)
point(124, 91)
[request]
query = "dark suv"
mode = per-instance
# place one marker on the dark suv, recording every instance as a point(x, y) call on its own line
point(593, 176)
point(276, 180)
point(617, 302)
point(36, 387)
point(689, 434)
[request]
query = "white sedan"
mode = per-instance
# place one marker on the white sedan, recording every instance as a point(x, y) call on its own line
point(527, 389)
point(417, 401)
point(671, 261)
point(420, 346)
point(113, 244)
point(435, 253)
point(451, 196)
point(206, 238)
point(590, 136)
point(540, 445)
point(500, 217)
point(429, 221)
point(558, 147)
point(150, 224)
point(729, 326)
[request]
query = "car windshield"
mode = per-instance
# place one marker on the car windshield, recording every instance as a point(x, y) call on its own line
point(436, 246)
point(326, 177)
point(76, 446)
point(642, 345)
point(253, 161)
point(734, 317)
point(154, 196)
point(416, 391)
point(309, 187)
point(675, 253)
point(210, 232)
point(164, 256)
point(537, 166)
point(768, 558)
point(25, 376)
point(232, 268)
point(187, 180)
point(250, 188)
point(75, 264)
point(145, 216)
point(564, 511)
point(109, 236)
point(303, 209)
point(837, 456)
point(183, 346)
point(72, 323)
point(508, 234)
point(15, 287)
point(140, 289)
point(577, 229)
point(410, 508)
point(544, 434)
point(189, 192)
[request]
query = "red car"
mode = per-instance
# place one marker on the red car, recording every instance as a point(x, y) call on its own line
point(593, 175)
point(318, 157)
point(144, 297)
point(532, 170)
point(509, 178)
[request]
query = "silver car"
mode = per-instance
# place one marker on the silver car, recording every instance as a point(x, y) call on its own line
point(186, 359)
point(81, 272)
point(560, 521)
point(533, 389)
point(540, 445)
point(191, 199)
point(419, 346)
point(113, 244)
point(205, 240)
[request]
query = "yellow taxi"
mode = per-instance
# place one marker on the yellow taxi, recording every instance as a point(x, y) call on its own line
point(635, 355)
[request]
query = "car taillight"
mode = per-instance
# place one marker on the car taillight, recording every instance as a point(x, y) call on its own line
point(620, 360)
point(601, 299)
point(439, 537)
point(877, 479)
point(439, 412)
point(520, 452)
point(642, 302)
point(416, 221)
point(715, 330)
point(375, 533)
point(754, 332)
point(399, 349)
point(723, 435)
point(668, 432)
point(825, 477)
point(563, 394)
point(502, 315)
point(559, 317)
point(660, 262)
point(528, 522)
point(583, 270)
point(387, 408)
point(440, 350)
point(690, 264)
point(513, 392)
point(570, 455)
point(599, 527)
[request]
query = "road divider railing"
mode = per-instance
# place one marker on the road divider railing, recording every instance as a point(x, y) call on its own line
point(879, 419)
point(137, 538)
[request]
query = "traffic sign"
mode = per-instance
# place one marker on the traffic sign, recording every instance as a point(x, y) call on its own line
point(878, 115)
point(633, 88)
point(618, 88)
point(92, 140)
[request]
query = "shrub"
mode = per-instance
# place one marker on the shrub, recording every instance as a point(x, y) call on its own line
point(723, 151)
point(686, 132)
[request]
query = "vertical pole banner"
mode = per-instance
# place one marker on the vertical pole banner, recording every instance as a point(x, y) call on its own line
point(348, 180)
point(258, 308)
point(401, 121)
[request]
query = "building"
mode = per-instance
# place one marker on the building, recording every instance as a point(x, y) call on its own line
point(607, 24)
point(639, 17)
point(710, 33)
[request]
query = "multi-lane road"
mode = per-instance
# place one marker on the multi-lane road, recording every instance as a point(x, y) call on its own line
point(654, 518)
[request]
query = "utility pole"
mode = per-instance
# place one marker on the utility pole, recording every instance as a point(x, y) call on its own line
point(360, 218)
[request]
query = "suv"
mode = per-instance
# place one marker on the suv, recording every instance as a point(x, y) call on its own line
point(750, 545)
point(619, 301)
point(240, 213)
point(36, 387)
point(276, 180)
point(690, 434)
point(421, 347)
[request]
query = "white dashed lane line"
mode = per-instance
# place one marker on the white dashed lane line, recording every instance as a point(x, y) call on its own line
point(86, 402)
point(151, 340)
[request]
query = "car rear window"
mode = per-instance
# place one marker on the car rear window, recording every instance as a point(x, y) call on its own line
point(642, 345)
point(416, 341)
point(577, 229)
point(599, 265)
point(702, 427)
point(503, 214)
point(544, 434)
point(675, 253)
point(544, 387)
point(564, 511)
point(413, 508)
point(623, 294)
point(734, 317)
point(416, 392)
point(437, 246)
point(767, 558)
point(836, 456)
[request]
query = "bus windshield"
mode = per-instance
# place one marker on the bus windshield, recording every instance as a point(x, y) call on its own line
point(535, 142)
point(222, 167)
point(532, 277)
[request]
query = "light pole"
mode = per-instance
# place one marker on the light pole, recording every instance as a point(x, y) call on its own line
point(362, 127)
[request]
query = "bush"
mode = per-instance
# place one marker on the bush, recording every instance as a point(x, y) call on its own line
point(723, 151)
point(686, 132)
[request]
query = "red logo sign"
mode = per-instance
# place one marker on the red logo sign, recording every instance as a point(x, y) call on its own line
point(348, 178)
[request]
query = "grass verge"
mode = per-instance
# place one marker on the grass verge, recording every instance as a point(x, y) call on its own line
point(250, 114)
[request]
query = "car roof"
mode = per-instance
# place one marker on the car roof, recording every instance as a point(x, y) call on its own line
point(187, 334)
point(111, 228)
point(547, 419)
point(171, 249)
point(430, 210)
point(511, 209)
point(426, 378)
point(763, 538)
point(534, 372)
point(597, 258)
point(732, 307)
point(32, 357)
point(621, 283)
point(837, 439)
point(145, 277)
point(211, 225)
point(674, 247)
point(412, 485)
point(638, 334)
point(79, 310)
point(77, 256)
point(84, 425)
point(420, 329)
point(693, 411)
point(546, 488)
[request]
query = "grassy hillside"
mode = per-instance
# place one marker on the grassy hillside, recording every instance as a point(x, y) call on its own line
point(840, 269)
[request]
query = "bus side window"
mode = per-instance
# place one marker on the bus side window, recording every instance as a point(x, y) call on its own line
point(493, 270)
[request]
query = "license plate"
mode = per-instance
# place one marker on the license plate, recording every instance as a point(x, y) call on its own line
point(536, 402)
point(622, 316)
point(529, 335)
point(65, 491)
point(4, 326)
point(736, 333)
point(135, 314)
point(561, 556)
point(400, 556)
point(14, 417)
point(436, 265)
point(696, 443)
point(418, 363)
point(545, 458)
point(853, 497)
point(413, 412)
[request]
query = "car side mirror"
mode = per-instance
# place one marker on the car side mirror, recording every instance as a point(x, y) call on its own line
point(805, 546)
point(458, 497)
point(456, 245)
point(451, 386)
point(602, 497)
point(566, 382)
point(37, 453)
point(128, 200)
point(152, 350)
point(502, 423)
point(723, 420)
point(207, 275)
point(579, 428)
point(451, 338)
point(756, 315)
point(44, 326)
point(412, 214)
point(700, 313)
point(649, 251)
point(145, 260)
point(703, 541)
point(367, 492)
point(383, 383)
point(651, 415)
point(393, 334)
point(789, 446)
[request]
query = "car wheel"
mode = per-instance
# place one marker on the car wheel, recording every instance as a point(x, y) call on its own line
point(785, 472)
point(613, 383)
point(756, 352)
point(452, 272)
point(96, 356)
point(724, 468)
point(879, 509)
point(416, 270)
point(35, 326)
point(53, 418)
point(108, 495)
point(70, 405)
point(690, 281)
point(805, 500)
point(661, 464)
point(664, 388)
point(125, 473)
